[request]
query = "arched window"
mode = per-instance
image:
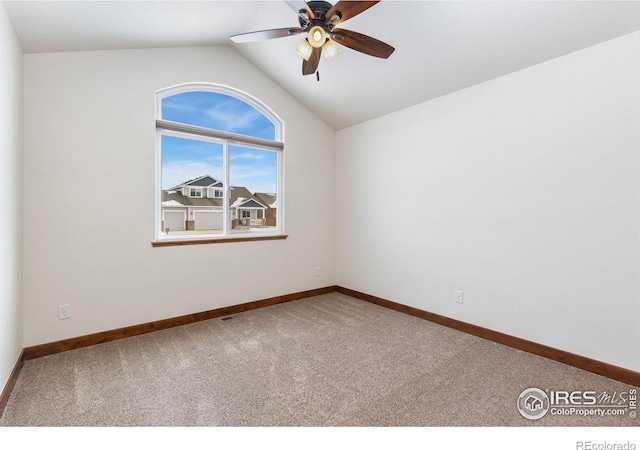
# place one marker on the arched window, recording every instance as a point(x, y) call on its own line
point(218, 165)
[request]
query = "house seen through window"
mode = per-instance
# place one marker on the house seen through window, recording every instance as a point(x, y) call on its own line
point(219, 164)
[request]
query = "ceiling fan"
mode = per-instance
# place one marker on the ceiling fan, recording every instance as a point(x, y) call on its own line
point(318, 19)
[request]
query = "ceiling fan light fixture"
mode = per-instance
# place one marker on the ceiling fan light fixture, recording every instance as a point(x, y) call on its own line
point(317, 21)
point(317, 36)
point(304, 49)
point(330, 49)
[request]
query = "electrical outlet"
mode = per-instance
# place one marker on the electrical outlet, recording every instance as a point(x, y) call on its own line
point(318, 271)
point(459, 296)
point(64, 312)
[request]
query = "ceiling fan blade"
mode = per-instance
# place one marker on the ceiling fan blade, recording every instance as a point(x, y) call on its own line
point(362, 43)
point(265, 34)
point(347, 9)
point(309, 67)
point(300, 5)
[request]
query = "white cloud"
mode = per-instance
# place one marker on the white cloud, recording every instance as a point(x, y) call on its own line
point(248, 155)
point(177, 172)
point(256, 179)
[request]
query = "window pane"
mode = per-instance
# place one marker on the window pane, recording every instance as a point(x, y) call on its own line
point(192, 174)
point(253, 177)
point(218, 112)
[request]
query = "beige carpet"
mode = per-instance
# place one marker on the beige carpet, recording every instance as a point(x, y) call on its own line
point(325, 361)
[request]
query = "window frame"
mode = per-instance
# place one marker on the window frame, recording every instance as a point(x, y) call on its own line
point(227, 139)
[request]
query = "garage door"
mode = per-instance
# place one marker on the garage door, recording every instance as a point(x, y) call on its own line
point(208, 220)
point(174, 220)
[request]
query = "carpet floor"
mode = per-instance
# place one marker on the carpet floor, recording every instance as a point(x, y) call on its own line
point(330, 360)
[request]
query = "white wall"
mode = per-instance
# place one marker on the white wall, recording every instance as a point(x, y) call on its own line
point(89, 203)
point(10, 198)
point(523, 192)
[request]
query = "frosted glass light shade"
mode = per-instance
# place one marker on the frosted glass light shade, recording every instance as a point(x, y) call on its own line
point(330, 49)
point(304, 49)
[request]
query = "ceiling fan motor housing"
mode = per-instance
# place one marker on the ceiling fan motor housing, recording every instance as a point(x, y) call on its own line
point(320, 9)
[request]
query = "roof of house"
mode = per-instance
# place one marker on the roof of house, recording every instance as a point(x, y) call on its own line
point(203, 181)
point(250, 203)
point(239, 191)
point(267, 199)
point(240, 196)
point(175, 198)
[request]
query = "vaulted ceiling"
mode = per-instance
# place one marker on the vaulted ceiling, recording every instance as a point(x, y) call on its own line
point(441, 46)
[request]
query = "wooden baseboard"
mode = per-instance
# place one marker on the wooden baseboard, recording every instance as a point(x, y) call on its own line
point(135, 330)
point(581, 362)
point(6, 392)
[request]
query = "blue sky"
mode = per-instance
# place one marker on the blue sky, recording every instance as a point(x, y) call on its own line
point(185, 159)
